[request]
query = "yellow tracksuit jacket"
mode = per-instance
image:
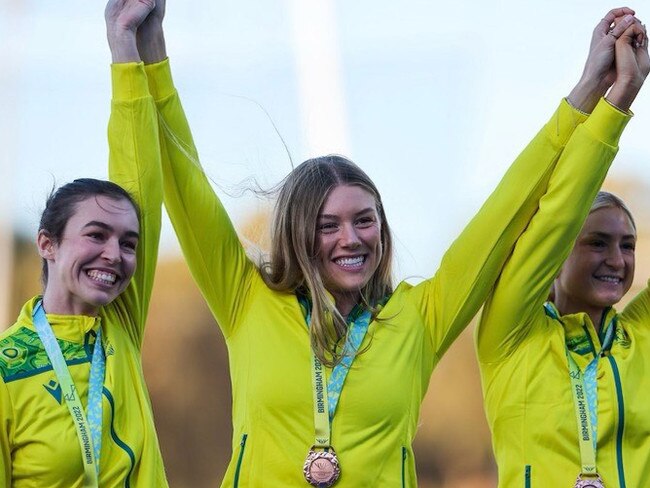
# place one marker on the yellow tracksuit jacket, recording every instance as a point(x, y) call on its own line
point(38, 440)
point(521, 350)
point(268, 341)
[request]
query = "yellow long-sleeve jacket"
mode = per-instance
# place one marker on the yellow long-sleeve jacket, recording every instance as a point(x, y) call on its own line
point(268, 341)
point(521, 350)
point(38, 440)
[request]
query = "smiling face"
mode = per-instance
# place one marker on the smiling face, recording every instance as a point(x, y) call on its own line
point(348, 240)
point(600, 269)
point(95, 258)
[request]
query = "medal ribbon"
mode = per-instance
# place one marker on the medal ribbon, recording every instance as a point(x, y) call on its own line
point(584, 390)
point(326, 395)
point(89, 429)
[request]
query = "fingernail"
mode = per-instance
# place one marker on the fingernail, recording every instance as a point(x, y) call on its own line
point(628, 19)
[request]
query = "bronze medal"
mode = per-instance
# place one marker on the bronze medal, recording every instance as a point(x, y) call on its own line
point(321, 468)
point(596, 482)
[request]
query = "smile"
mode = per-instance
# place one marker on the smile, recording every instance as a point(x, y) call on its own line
point(610, 279)
point(350, 262)
point(103, 277)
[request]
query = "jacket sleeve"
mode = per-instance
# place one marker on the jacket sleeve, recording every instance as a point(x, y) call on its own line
point(6, 422)
point(134, 164)
point(541, 250)
point(215, 256)
point(638, 310)
point(472, 264)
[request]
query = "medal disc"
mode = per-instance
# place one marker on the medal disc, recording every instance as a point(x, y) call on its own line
point(596, 482)
point(321, 468)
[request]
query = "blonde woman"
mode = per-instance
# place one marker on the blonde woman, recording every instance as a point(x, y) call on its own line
point(330, 361)
point(564, 381)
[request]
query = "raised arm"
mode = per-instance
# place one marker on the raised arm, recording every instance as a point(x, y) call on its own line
point(472, 264)
point(134, 154)
point(599, 72)
point(540, 252)
point(210, 244)
point(638, 310)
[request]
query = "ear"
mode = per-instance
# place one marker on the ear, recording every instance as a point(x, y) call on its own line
point(46, 246)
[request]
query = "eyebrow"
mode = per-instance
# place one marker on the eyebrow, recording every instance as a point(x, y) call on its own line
point(605, 235)
point(360, 212)
point(105, 226)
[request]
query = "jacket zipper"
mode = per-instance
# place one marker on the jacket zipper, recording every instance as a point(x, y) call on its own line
point(527, 483)
point(240, 459)
point(621, 421)
point(404, 453)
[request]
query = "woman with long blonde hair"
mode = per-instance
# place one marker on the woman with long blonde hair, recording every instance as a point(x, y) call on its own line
point(564, 379)
point(329, 361)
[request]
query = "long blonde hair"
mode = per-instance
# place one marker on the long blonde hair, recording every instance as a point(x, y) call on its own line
point(292, 264)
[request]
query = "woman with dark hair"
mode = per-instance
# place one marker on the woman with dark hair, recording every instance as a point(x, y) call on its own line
point(74, 408)
point(330, 362)
point(564, 380)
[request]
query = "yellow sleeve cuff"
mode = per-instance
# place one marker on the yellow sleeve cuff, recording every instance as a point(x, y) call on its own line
point(564, 121)
point(607, 122)
point(159, 75)
point(129, 81)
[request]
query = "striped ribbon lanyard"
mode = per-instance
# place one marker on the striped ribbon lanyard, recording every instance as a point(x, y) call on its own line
point(584, 390)
point(89, 427)
point(326, 394)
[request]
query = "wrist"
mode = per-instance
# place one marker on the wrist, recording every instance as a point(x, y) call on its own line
point(629, 83)
point(623, 94)
point(151, 43)
point(151, 28)
point(117, 33)
point(586, 93)
point(122, 43)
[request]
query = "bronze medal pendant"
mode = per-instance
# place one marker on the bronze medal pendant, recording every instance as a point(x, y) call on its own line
point(321, 468)
point(596, 482)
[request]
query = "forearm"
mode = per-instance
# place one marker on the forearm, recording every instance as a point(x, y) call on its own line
point(541, 250)
point(208, 239)
point(586, 94)
point(122, 43)
point(472, 264)
point(134, 164)
point(151, 42)
point(623, 93)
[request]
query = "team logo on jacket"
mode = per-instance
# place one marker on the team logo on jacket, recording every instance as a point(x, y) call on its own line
point(109, 350)
point(54, 389)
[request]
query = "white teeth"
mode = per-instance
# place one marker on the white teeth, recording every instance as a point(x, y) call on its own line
point(609, 279)
point(102, 276)
point(350, 262)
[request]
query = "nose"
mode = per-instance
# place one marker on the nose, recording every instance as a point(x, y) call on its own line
point(349, 236)
point(112, 251)
point(614, 258)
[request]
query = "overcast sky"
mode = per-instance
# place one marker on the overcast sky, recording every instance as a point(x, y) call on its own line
point(435, 99)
